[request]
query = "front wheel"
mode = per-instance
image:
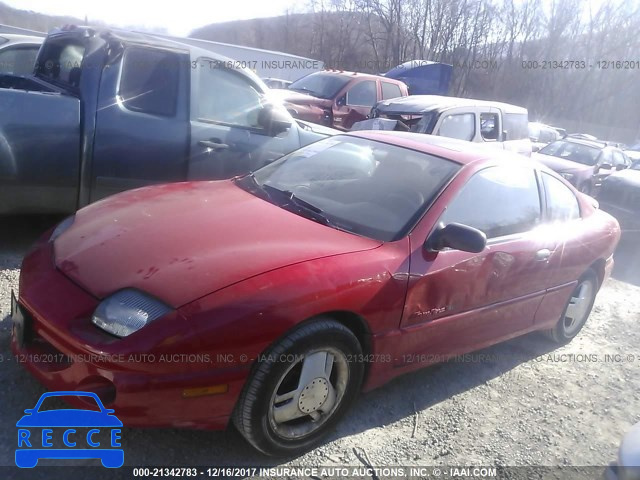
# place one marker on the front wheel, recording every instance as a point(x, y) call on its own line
point(300, 388)
point(577, 310)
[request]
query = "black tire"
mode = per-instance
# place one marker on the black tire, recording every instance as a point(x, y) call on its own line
point(252, 415)
point(561, 333)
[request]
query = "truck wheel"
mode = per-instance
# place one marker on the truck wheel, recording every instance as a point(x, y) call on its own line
point(300, 387)
point(577, 310)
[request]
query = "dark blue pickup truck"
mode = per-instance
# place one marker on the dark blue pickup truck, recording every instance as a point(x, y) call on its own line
point(106, 111)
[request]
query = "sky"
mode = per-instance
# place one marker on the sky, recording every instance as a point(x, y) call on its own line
point(177, 17)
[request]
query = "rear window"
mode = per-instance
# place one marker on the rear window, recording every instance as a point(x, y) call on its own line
point(516, 125)
point(61, 61)
point(149, 82)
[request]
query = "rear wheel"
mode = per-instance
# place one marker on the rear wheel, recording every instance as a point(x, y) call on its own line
point(300, 388)
point(577, 310)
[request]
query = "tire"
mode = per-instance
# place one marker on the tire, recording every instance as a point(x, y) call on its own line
point(290, 401)
point(569, 326)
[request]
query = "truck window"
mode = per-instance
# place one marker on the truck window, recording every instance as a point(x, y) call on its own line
point(60, 62)
point(149, 82)
point(461, 126)
point(516, 125)
point(489, 126)
point(226, 97)
point(363, 94)
point(390, 90)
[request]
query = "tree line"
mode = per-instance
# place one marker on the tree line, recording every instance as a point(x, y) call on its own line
point(570, 62)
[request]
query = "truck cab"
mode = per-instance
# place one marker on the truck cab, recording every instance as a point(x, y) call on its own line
point(107, 111)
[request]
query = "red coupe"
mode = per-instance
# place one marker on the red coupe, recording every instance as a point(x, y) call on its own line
point(271, 300)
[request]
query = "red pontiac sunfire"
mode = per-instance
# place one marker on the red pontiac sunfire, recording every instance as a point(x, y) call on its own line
point(272, 299)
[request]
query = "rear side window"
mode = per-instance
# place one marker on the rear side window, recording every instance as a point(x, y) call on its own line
point(390, 90)
point(149, 82)
point(516, 125)
point(498, 201)
point(562, 204)
point(61, 62)
point(363, 94)
point(461, 126)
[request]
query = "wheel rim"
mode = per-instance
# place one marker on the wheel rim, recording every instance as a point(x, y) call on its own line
point(578, 307)
point(308, 393)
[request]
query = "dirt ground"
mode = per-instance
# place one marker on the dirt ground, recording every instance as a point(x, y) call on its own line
point(522, 403)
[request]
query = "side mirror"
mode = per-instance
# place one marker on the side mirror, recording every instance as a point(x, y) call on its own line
point(505, 135)
point(535, 148)
point(273, 121)
point(605, 166)
point(457, 236)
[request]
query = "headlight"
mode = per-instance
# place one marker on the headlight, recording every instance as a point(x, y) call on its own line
point(62, 227)
point(127, 311)
point(567, 176)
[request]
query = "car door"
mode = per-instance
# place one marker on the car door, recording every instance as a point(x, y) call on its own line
point(227, 135)
point(458, 301)
point(356, 102)
point(565, 230)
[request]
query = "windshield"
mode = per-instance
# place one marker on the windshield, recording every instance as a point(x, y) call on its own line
point(576, 152)
point(322, 85)
point(361, 186)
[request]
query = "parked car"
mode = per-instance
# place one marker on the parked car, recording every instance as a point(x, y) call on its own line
point(276, 82)
point(367, 256)
point(18, 53)
point(338, 99)
point(584, 163)
point(627, 466)
point(107, 111)
point(541, 135)
point(620, 196)
point(487, 123)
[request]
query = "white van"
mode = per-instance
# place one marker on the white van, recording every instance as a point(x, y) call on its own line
point(488, 123)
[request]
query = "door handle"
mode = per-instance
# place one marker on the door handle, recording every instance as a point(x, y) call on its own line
point(213, 144)
point(543, 255)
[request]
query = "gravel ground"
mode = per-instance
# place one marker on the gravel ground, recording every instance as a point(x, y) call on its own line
point(519, 403)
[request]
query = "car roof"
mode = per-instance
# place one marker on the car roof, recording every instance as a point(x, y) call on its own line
point(424, 103)
point(458, 151)
point(345, 73)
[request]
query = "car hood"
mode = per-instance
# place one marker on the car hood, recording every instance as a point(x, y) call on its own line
point(560, 164)
point(299, 98)
point(179, 242)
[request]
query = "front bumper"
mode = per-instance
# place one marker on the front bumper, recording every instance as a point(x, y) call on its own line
point(56, 342)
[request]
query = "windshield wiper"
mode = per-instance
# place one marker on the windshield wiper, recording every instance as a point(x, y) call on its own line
point(313, 212)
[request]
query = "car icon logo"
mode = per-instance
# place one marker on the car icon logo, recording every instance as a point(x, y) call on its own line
point(78, 429)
